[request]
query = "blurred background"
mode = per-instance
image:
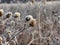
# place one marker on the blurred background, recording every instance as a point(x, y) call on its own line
point(24, 1)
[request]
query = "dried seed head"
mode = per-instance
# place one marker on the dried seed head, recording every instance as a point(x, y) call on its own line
point(8, 35)
point(12, 22)
point(1, 12)
point(33, 1)
point(28, 18)
point(0, 39)
point(8, 14)
point(32, 23)
point(17, 14)
point(9, 32)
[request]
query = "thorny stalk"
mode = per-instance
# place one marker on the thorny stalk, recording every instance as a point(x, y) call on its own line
point(20, 30)
point(30, 42)
point(32, 38)
point(39, 26)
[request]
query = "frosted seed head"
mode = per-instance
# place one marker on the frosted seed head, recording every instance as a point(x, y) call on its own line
point(17, 14)
point(8, 14)
point(28, 18)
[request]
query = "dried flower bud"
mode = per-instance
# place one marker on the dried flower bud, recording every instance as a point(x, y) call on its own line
point(32, 22)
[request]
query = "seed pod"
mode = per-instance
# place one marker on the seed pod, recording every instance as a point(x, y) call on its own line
point(1, 12)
